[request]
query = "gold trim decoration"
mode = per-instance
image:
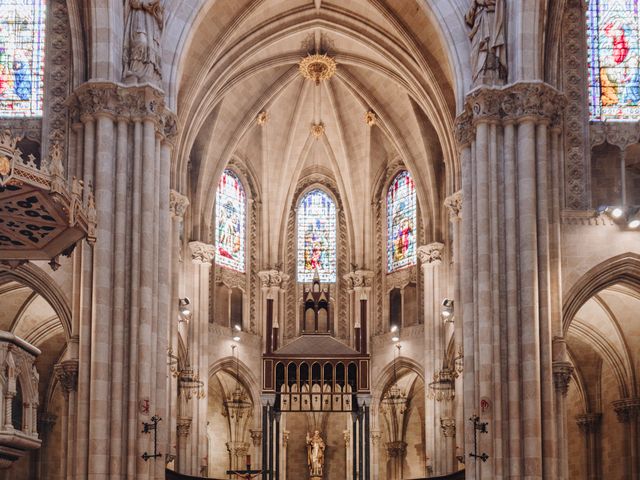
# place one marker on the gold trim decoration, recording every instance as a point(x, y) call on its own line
point(262, 118)
point(317, 67)
point(317, 130)
point(370, 118)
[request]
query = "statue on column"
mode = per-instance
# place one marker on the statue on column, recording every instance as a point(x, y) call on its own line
point(142, 42)
point(486, 18)
point(315, 455)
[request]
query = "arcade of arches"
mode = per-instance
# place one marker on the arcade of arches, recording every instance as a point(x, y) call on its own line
point(317, 238)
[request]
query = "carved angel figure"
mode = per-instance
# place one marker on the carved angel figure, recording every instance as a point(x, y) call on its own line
point(142, 47)
point(315, 454)
point(488, 53)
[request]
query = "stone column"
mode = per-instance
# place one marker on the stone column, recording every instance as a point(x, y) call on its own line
point(178, 205)
point(431, 259)
point(359, 286)
point(46, 422)
point(375, 455)
point(183, 430)
point(510, 308)
point(589, 424)
point(454, 204)
point(562, 371)
point(396, 452)
point(273, 288)
point(66, 373)
point(256, 441)
point(202, 255)
point(448, 428)
point(628, 411)
point(123, 323)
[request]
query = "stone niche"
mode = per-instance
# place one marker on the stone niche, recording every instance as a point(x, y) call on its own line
point(19, 383)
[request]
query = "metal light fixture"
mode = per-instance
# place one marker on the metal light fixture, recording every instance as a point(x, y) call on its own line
point(442, 387)
point(446, 312)
point(395, 399)
point(395, 330)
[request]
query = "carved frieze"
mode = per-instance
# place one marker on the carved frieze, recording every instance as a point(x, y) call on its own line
point(231, 278)
point(178, 203)
point(562, 376)
point(202, 252)
point(431, 254)
point(67, 374)
point(273, 279)
point(448, 426)
point(627, 409)
point(129, 102)
point(589, 422)
point(359, 279)
point(453, 203)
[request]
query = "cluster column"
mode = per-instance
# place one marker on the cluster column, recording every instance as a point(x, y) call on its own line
point(440, 395)
point(67, 375)
point(273, 289)
point(589, 424)
point(122, 134)
point(193, 381)
point(359, 287)
point(628, 411)
point(508, 140)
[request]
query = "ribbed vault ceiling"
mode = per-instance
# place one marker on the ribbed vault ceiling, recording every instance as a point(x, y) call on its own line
point(244, 60)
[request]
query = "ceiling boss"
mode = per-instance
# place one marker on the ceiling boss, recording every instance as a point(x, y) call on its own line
point(317, 67)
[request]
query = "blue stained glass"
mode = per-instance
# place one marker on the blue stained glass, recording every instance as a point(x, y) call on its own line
point(401, 222)
point(316, 237)
point(230, 222)
point(22, 41)
point(614, 59)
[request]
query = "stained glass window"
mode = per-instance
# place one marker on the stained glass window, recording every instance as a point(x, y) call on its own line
point(614, 59)
point(21, 57)
point(230, 222)
point(317, 237)
point(401, 222)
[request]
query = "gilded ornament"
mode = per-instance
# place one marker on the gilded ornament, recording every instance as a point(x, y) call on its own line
point(317, 129)
point(317, 68)
point(370, 118)
point(262, 118)
point(5, 165)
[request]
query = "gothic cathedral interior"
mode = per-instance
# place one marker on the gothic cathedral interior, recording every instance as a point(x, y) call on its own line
point(319, 239)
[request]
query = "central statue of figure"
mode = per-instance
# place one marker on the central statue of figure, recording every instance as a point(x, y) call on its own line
point(315, 455)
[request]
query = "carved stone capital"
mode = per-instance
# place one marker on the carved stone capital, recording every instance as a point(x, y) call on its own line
point(359, 278)
point(454, 205)
point(202, 252)
point(431, 254)
point(448, 426)
point(273, 278)
point(396, 449)
point(562, 376)
point(178, 203)
point(376, 435)
point(256, 437)
point(239, 449)
point(67, 374)
point(589, 422)
point(627, 409)
point(463, 129)
point(183, 427)
point(46, 422)
point(537, 101)
point(136, 102)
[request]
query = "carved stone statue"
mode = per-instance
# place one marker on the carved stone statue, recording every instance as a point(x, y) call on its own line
point(488, 50)
point(315, 455)
point(142, 47)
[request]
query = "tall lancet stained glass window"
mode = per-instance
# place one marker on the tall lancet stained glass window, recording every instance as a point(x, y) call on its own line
point(316, 237)
point(614, 59)
point(22, 29)
point(230, 222)
point(401, 222)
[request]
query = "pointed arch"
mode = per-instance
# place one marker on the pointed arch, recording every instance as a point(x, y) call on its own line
point(316, 233)
point(231, 220)
point(401, 222)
